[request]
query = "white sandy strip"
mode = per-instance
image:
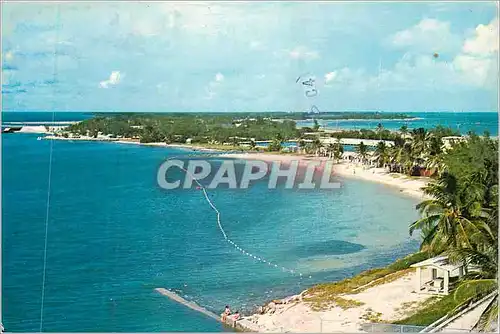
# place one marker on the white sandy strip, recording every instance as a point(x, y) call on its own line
point(33, 129)
point(187, 147)
point(390, 299)
point(133, 142)
point(408, 186)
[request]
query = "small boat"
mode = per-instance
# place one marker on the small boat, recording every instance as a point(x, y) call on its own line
point(39, 138)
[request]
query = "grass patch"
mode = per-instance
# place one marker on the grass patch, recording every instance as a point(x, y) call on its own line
point(438, 309)
point(409, 308)
point(345, 304)
point(326, 293)
point(431, 313)
point(371, 316)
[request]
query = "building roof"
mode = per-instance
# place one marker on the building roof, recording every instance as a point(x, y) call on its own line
point(440, 262)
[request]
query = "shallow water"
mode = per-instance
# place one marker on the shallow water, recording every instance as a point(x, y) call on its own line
point(114, 236)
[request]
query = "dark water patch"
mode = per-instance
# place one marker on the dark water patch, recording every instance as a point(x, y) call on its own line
point(330, 247)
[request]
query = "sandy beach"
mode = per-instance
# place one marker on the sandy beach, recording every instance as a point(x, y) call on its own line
point(381, 303)
point(407, 185)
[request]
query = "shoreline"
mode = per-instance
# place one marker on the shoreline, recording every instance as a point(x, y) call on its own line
point(406, 185)
point(376, 302)
point(134, 142)
point(381, 301)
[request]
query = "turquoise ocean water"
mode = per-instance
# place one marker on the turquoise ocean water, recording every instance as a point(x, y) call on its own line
point(114, 236)
point(463, 122)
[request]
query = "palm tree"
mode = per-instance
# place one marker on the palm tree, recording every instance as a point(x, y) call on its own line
point(302, 145)
point(450, 216)
point(276, 144)
point(381, 154)
point(380, 127)
point(419, 142)
point(362, 150)
point(396, 154)
point(403, 130)
point(252, 144)
point(432, 155)
point(330, 149)
point(436, 164)
point(461, 219)
point(316, 125)
point(335, 150)
point(316, 145)
point(483, 257)
point(338, 150)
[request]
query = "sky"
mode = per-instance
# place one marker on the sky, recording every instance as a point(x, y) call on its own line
point(250, 56)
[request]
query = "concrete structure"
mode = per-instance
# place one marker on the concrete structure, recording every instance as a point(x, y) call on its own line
point(449, 141)
point(242, 325)
point(433, 275)
point(355, 141)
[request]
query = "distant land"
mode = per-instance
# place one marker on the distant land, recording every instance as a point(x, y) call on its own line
point(333, 115)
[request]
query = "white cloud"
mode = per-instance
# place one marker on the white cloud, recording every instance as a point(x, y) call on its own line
point(478, 60)
point(9, 55)
point(473, 61)
point(219, 77)
point(256, 45)
point(203, 18)
point(485, 40)
point(301, 52)
point(211, 88)
point(114, 79)
point(330, 76)
point(429, 35)
point(209, 93)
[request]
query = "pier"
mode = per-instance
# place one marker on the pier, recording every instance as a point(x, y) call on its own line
point(242, 325)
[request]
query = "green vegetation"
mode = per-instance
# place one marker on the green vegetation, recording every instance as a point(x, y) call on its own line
point(216, 127)
point(409, 308)
point(275, 115)
point(413, 151)
point(199, 128)
point(383, 134)
point(461, 221)
point(345, 304)
point(371, 316)
point(433, 311)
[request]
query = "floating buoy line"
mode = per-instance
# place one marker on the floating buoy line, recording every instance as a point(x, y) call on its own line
point(231, 242)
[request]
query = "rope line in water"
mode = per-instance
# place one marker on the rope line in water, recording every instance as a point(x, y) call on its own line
point(219, 224)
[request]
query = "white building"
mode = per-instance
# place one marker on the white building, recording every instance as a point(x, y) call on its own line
point(433, 275)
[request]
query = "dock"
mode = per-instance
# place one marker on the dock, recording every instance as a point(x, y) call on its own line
point(243, 325)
